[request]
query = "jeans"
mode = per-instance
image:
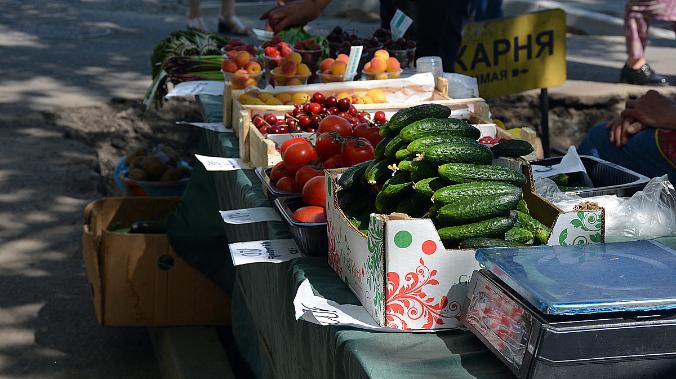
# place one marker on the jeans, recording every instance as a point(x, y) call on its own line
point(640, 154)
point(484, 10)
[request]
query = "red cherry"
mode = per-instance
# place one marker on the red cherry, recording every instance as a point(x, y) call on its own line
point(270, 118)
point(344, 104)
point(315, 108)
point(332, 110)
point(344, 114)
point(318, 97)
point(310, 130)
point(379, 117)
point(304, 120)
point(291, 123)
point(330, 101)
point(316, 119)
point(353, 111)
point(283, 129)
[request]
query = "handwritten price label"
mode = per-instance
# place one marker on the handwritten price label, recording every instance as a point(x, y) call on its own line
point(353, 62)
point(221, 164)
point(249, 215)
point(270, 251)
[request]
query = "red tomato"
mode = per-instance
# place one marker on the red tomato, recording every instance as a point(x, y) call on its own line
point(334, 162)
point(298, 155)
point(333, 123)
point(306, 173)
point(373, 136)
point(279, 171)
point(286, 184)
point(291, 141)
point(314, 191)
point(328, 145)
point(356, 150)
point(310, 213)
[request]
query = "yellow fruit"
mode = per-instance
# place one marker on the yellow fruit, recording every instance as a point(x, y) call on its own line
point(294, 82)
point(377, 94)
point(358, 100)
point(246, 99)
point(342, 95)
point(368, 100)
point(382, 54)
point(265, 96)
point(295, 57)
point(257, 102)
point(284, 96)
point(381, 76)
point(300, 98)
point(273, 101)
point(303, 70)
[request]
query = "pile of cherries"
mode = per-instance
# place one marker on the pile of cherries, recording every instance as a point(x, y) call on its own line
point(306, 117)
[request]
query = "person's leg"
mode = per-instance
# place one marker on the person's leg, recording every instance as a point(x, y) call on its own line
point(640, 154)
point(194, 9)
point(227, 22)
point(439, 29)
point(487, 9)
point(636, 70)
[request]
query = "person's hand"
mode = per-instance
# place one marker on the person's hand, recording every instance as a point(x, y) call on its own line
point(292, 13)
point(652, 110)
point(622, 129)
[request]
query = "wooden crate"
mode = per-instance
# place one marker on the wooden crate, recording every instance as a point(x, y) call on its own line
point(260, 151)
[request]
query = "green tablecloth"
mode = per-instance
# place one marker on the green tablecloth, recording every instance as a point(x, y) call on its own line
point(268, 337)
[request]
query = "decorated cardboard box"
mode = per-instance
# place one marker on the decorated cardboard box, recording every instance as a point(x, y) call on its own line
point(402, 273)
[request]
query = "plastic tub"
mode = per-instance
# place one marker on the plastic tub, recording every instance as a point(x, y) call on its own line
point(331, 78)
point(608, 178)
point(131, 187)
point(310, 237)
point(405, 57)
point(279, 79)
point(242, 80)
point(382, 75)
point(310, 57)
point(271, 192)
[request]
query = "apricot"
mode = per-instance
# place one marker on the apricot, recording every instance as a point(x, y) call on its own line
point(338, 67)
point(325, 64)
point(378, 65)
point(295, 57)
point(229, 65)
point(367, 67)
point(393, 65)
point(253, 67)
point(294, 82)
point(303, 70)
point(242, 58)
point(381, 76)
point(343, 58)
point(288, 67)
point(381, 54)
point(251, 82)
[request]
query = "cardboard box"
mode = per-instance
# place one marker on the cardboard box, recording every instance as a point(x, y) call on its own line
point(403, 274)
point(137, 279)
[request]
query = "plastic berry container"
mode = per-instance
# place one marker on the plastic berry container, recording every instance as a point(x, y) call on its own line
point(382, 75)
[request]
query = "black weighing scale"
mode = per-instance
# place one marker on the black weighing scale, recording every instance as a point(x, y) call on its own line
point(581, 311)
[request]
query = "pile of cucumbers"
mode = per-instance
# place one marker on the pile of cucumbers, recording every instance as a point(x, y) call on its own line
point(430, 165)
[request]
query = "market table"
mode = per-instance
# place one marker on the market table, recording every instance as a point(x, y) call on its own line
point(269, 338)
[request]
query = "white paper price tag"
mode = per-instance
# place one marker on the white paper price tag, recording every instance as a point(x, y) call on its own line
point(270, 251)
point(221, 164)
point(250, 215)
point(399, 24)
point(197, 87)
point(213, 126)
point(353, 62)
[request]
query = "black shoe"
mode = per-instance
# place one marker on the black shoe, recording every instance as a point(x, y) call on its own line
point(644, 76)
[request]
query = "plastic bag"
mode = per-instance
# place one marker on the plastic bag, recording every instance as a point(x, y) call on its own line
point(648, 214)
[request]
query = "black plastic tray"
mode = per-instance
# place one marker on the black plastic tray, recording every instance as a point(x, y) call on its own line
point(310, 237)
point(608, 178)
point(271, 192)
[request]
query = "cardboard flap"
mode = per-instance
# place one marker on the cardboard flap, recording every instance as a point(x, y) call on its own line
point(92, 267)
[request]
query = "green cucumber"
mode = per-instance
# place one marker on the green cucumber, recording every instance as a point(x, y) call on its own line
point(457, 153)
point(379, 152)
point(395, 144)
point(434, 126)
point(378, 172)
point(493, 227)
point(467, 172)
point(393, 189)
point(407, 116)
point(420, 144)
point(433, 211)
point(421, 170)
point(427, 186)
point(540, 231)
point(353, 175)
point(402, 154)
point(512, 148)
point(519, 235)
point(385, 131)
point(522, 206)
point(459, 192)
point(405, 165)
point(414, 206)
point(482, 242)
point(477, 209)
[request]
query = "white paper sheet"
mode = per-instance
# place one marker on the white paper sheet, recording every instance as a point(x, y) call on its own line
point(197, 87)
point(569, 163)
point(221, 164)
point(267, 251)
point(213, 126)
point(250, 215)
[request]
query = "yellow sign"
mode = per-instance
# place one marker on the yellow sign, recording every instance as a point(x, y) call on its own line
point(515, 54)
